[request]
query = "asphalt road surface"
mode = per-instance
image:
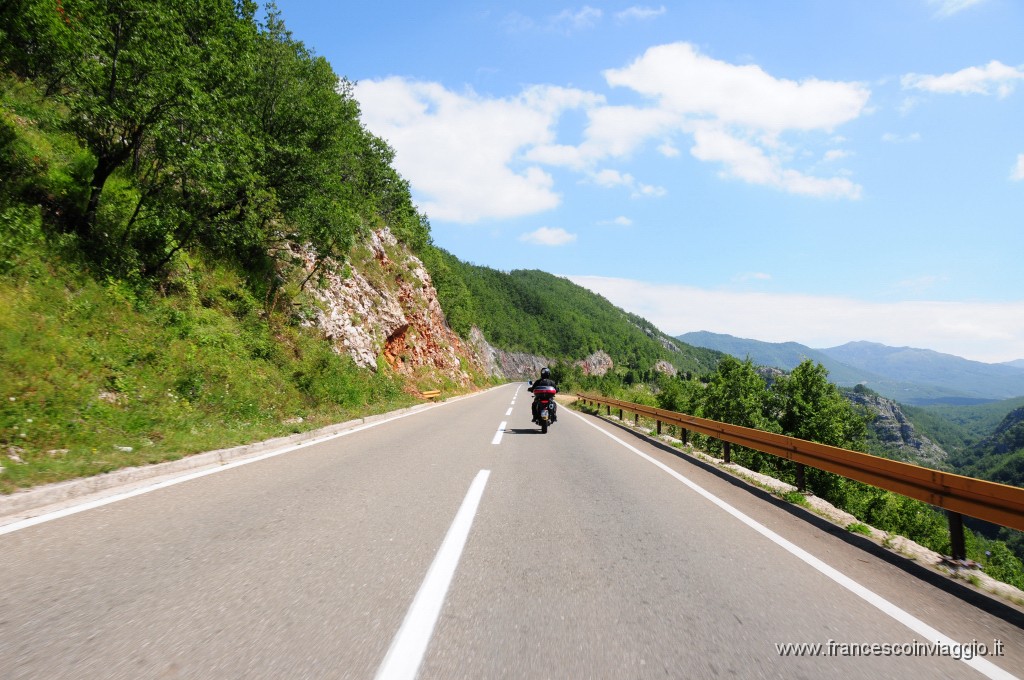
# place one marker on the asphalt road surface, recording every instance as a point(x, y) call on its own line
point(458, 542)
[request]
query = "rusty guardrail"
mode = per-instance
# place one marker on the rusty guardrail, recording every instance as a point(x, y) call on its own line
point(959, 495)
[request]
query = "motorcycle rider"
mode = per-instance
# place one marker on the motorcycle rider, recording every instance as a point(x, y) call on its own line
point(546, 381)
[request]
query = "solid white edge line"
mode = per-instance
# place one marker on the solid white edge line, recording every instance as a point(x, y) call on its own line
point(405, 655)
point(982, 665)
point(499, 433)
point(90, 505)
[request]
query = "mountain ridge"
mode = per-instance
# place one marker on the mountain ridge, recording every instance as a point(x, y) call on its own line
point(907, 374)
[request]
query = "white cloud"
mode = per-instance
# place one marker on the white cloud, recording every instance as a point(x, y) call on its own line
point(746, 161)
point(1017, 174)
point(612, 131)
point(893, 138)
point(640, 13)
point(648, 191)
point(571, 21)
point(623, 221)
point(687, 82)
point(613, 178)
point(546, 236)
point(836, 154)
point(947, 8)
point(994, 77)
point(737, 114)
point(668, 150)
point(460, 151)
point(991, 332)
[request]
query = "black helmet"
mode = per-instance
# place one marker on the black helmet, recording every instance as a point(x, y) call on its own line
point(545, 373)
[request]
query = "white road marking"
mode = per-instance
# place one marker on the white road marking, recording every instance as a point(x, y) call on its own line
point(499, 433)
point(982, 665)
point(508, 412)
point(74, 510)
point(410, 644)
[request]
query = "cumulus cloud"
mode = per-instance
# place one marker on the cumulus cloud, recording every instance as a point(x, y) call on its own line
point(737, 114)
point(992, 78)
point(1017, 175)
point(547, 236)
point(836, 154)
point(947, 8)
point(471, 157)
point(690, 83)
point(640, 13)
point(460, 151)
point(611, 131)
point(991, 332)
point(743, 159)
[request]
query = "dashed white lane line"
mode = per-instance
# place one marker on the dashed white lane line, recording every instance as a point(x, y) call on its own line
point(499, 433)
point(983, 666)
point(410, 644)
point(508, 412)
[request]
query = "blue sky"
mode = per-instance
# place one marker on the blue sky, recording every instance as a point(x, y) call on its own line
point(812, 170)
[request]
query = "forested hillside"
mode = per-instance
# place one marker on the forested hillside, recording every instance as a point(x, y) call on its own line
point(535, 312)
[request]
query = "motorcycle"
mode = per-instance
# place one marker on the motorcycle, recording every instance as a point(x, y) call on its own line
point(544, 397)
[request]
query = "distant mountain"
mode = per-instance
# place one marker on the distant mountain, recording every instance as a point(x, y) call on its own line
point(908, 375)
point(1016, 363)
point(914, 366)
point(784, 355)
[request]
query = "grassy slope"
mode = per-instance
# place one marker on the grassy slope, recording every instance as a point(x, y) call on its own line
point(93, 369)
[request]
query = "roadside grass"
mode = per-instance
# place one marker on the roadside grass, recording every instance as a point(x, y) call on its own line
point(97, 376)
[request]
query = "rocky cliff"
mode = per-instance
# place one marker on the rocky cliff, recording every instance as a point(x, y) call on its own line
point(895, 434)
point(382, 307)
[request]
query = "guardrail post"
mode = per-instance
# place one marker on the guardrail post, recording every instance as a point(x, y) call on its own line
point(621, 417)
point(636, 420)
point(801, 478)
point(682, 435)
point(727, 452)
point(659, 427)
point(607, 409)
point(956, 536)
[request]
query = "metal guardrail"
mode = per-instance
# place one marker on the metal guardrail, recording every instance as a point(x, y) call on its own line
point(959, 495)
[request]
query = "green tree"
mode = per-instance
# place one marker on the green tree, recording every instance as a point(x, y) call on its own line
point(809, 407)
point(738, 395)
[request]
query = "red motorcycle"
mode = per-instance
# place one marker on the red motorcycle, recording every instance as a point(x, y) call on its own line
point(544, 397)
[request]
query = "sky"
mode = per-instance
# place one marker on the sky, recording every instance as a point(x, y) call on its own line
point(817, 171)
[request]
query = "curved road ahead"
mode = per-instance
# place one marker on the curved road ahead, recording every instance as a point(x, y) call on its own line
point(457, 542)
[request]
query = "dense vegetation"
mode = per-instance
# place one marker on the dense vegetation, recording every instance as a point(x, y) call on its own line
point(156, 160)
point(806, 405)
point(193, 125)
point(538, 313)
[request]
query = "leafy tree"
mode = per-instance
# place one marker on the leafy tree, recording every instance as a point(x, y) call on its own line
point(810, 407)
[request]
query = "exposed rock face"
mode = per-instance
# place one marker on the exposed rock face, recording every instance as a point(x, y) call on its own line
point(501, 364)
point(598, 363)
point(386, 306)
point(897, 433)
point(666, 368)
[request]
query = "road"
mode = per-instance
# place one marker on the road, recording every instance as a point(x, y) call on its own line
point(471, 546)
